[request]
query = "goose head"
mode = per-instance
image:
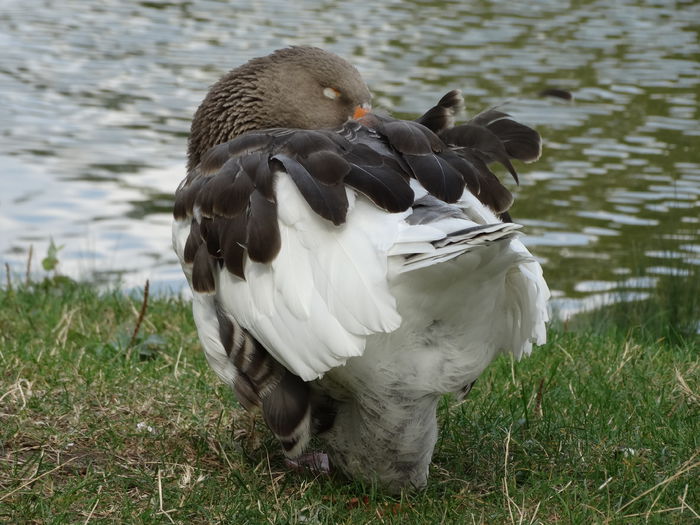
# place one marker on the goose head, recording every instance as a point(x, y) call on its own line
point(297, 87)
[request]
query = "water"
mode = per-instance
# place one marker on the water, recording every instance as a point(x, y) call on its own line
point(97, 97)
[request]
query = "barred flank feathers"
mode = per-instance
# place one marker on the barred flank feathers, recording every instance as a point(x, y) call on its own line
point(287, 411)
point(257, 372)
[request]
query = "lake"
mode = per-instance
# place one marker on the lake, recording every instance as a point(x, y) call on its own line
point(97, 98)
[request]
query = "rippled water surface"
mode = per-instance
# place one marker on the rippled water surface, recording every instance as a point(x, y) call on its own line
point(97, 97)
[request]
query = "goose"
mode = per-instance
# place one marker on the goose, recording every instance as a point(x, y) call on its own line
point(348, 268)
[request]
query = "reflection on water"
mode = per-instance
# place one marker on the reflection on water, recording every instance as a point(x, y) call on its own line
point(97, 98)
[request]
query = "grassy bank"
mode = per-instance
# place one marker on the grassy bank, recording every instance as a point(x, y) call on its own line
point(103, 422)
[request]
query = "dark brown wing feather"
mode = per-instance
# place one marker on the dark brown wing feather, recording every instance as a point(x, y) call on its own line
point(383, 185)
point(442, 116)
point(493, 193)
point(233, 198)
point(406, 137)
point(481, 142)
point(437, 176)
point(202, 271)
point(329, 201)
point(262, 232)
point(194, 239)
point(326, 166)
point(263, 382)
point(520, 141)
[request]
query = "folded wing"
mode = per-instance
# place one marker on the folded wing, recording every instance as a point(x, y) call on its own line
point(275, 227)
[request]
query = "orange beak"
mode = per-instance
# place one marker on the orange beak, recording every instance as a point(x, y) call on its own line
point(361, 111)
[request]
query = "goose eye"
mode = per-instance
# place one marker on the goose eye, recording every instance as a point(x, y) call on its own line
point(331, 93)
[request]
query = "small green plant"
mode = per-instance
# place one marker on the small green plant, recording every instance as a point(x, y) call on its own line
point(50, 262)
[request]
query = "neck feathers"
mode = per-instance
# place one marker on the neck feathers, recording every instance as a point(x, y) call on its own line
point(233, 106)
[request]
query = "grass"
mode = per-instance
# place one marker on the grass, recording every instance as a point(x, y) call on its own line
point(101, 421)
